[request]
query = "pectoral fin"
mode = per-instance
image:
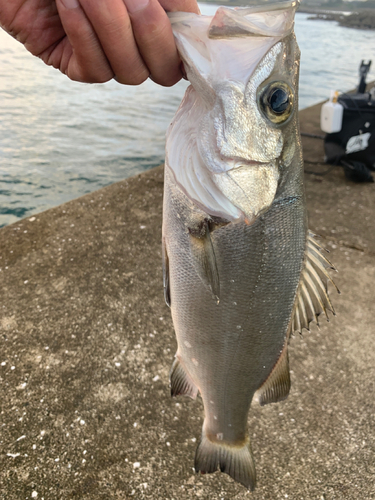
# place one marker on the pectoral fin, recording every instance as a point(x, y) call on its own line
point(203, 251)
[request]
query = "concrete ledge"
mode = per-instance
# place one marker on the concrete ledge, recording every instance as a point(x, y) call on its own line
point(87, 343)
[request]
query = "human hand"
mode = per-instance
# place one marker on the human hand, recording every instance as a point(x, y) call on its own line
point(94, 41)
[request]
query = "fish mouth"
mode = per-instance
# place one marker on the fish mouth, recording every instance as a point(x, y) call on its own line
point(236, 162)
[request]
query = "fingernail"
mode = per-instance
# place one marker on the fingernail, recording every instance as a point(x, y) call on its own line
point(70, 4)
point(136, 5)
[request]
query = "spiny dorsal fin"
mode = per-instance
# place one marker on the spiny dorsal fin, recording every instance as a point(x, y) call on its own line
point(277, 386)
point(181, 384)
point(312, 296)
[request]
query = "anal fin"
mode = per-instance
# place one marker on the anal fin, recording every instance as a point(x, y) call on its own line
point(232, 459)
point(181, 383)
point(277, 386)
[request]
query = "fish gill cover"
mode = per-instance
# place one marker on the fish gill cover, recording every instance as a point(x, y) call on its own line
point(220, 55)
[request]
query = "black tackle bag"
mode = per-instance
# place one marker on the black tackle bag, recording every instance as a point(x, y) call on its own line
point(354, 146)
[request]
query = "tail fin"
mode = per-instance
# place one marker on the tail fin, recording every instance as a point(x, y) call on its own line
point(237, 461)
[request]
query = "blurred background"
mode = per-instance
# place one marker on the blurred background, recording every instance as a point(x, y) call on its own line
point(61, 139)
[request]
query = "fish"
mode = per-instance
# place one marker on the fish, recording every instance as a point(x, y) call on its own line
point(241, 270)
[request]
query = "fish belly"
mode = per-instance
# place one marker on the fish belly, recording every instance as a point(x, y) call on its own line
point(229, 347)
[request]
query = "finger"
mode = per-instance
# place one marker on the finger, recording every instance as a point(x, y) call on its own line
point(180, 6)
point(113, 28)
point(81, 56)
point(153, 33)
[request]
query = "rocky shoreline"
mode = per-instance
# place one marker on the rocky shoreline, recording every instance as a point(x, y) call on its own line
point(361, 18)
point(364, 20)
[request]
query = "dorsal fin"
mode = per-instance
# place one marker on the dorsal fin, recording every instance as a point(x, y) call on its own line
point(311, 300)
point(312, 295)
point(181, 383)
point(277, 386)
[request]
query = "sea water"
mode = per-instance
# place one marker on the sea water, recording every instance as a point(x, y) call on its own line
point(61, 139)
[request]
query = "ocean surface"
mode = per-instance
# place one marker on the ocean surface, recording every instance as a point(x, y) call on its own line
point(61, 139)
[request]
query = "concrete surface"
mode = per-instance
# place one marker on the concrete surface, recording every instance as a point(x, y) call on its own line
point(87, 343)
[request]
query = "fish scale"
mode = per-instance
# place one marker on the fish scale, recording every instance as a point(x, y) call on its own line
point(262, 255)
point(241, 270)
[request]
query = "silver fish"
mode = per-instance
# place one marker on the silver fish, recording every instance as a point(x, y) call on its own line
point(241, 270)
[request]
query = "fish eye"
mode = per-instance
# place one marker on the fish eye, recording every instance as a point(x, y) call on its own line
point(276, 102)
point(279, 101)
